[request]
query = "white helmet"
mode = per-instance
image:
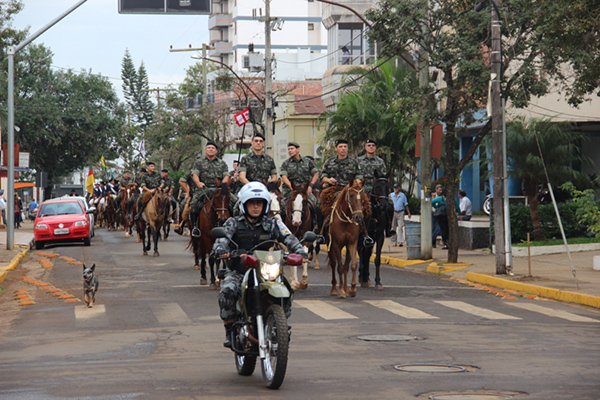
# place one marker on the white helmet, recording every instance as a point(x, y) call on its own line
point(254, 191)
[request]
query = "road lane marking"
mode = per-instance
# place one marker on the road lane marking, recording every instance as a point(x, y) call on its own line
point(399, 309)
point(83, 312)
point(170, 314)
point(553, 313)
point(478, 311)
point(323, 309)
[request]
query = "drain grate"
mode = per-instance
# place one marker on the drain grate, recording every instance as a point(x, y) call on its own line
point(432, 368)
point(387, 338)
point(473, 395)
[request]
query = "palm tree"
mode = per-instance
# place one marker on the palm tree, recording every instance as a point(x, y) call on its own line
point(560, 146)
point(381, 108)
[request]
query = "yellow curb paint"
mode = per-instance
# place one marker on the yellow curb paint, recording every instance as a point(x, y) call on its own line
point(551, 293)
point(465, 264)
point(16, 260)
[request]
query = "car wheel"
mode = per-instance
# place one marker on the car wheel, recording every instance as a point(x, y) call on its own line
point(87, 241)
point(39, 245)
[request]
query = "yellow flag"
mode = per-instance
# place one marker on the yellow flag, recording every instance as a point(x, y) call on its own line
point(102, 162)
point(89, 183)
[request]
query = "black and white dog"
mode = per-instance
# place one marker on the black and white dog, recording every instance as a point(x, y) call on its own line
point(90, 285)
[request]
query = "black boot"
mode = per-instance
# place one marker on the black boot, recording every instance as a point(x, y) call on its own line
point(195, 231)
point(227, 341)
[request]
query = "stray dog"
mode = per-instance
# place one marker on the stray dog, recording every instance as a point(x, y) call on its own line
point(90, 285)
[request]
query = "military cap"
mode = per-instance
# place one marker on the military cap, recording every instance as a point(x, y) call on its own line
point(260, 135)
point(211, 143)
point(341, 141)
point(371, 141)
point(165, 170)
point(143, 170)
point(296, 145)
point(150, 163)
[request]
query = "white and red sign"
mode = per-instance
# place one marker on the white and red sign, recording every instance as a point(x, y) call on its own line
point(242, 117)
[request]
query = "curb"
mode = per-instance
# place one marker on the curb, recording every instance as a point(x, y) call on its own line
point(12, 265)
point(556, 294)
point(396, 262)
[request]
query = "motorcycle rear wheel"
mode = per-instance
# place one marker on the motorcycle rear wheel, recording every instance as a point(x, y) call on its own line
point(277, 341)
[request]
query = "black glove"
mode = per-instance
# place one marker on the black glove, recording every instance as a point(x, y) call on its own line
point(271, 186)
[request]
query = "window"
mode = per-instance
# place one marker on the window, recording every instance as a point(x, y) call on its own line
point(353, 45)
point(311, 26)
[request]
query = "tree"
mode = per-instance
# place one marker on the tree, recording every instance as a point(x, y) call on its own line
point(545, 43)
point(561, 149)
point(66, 120)
point(136, 92)
point(380, 108)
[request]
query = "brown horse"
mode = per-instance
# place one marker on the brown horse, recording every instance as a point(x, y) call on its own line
point(152, 219)
point(299, 219)
point(346, 221)
point(110, 213)
point(126, 217)
point(214, 213)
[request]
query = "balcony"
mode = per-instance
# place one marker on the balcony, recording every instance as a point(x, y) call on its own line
point(217, 21)
point(220, 48)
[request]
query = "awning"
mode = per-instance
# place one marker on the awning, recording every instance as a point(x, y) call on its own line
point(23, 185)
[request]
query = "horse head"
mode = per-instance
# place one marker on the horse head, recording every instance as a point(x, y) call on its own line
point(297, 203)
point(356, 199)
point(220, 202)
point(162, 201)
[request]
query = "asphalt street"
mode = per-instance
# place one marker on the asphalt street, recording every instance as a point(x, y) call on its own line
point(154, 333)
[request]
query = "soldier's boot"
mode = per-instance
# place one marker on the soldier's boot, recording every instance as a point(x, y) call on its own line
point(389, 232)
point(319, 218)
point(228, 330)
point(142, 206)
point(195, 231)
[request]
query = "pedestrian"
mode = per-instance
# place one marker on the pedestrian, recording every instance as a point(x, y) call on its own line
point(18, 210)
point(3, 206)
point(345, 56)
point(440, 217)
point(466, 211)
point(32, 206)
point(400, 205)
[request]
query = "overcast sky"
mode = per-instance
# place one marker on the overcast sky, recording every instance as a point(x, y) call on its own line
point(94, 37)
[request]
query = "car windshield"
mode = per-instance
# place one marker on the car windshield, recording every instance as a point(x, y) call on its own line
point(60, 209)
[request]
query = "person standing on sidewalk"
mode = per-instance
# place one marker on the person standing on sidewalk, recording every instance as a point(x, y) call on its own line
point(400, 205)
point(3, 206)
point(18, 210)
point(440, 217)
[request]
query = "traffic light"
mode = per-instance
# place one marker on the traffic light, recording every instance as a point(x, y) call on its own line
point(195, 7)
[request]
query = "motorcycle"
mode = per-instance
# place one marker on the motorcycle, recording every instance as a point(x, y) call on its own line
point(261, 329)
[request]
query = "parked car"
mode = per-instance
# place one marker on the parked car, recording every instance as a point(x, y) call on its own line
point(61, 220)
point(87, 208)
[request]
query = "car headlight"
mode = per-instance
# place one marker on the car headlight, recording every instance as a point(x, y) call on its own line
point(41, 226)
point(270, 271)
point(81, 223)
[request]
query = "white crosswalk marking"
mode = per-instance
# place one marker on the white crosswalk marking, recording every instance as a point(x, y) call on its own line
point(400, 310)
point(323, 309)
point(478, 311)
point(170, 314)
point(85, 313)
point(553, 313)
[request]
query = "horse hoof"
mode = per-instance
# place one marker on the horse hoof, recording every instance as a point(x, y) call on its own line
point(295, 285)
point(212, 287)
point(379, 287)
point(145, 253)
point(138, 240)
point(197, 267)
point(352, 292)
point(126, 234)
point(203, 282)
point(366, 284)
point(333, 292)
point(342, 295)
point(317, 267)
point(156, 254)
point(303, 285)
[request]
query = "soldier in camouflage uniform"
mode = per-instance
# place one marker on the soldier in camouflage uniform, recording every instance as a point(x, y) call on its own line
point(371, 165)
point(186, 183)
point(341, 169)
point(150, 182)
point(125, 180)
point(248, 230)
point(136, 193)
point(204, 171)
point(234, 175)
point(167, 184)
point(256, 165)
point(298, 170)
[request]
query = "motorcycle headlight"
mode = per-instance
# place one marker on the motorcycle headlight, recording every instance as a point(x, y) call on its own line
point(270, 271)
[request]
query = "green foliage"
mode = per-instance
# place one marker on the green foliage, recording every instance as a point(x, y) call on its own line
point(136, 91)
point(414, 205)
point(588, 208)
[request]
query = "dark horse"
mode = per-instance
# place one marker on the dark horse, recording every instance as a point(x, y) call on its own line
point(126, 217)
point(346, 221)
point(214, 213)
point(152, 219)
point(299, 219)
point(376, 225)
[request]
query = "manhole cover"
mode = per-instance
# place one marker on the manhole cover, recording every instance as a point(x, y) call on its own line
point(470, 395)
point(435, 368)
point(387, 338)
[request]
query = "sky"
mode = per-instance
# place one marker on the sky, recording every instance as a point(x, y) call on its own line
point(94, 37)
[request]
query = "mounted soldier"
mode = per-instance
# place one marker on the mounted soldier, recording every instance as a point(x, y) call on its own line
point(188, 187)
point(150, 182)
point(257, 165)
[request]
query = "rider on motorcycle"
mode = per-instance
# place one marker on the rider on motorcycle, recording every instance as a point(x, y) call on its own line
point(250, 228)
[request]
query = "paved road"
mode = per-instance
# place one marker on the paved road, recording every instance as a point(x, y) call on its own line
point(155, 333)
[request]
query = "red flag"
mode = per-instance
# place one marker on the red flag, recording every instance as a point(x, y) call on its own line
point(242, 117)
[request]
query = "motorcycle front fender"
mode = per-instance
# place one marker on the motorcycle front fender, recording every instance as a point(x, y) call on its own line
point(275, 289)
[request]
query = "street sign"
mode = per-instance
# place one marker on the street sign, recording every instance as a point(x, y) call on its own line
point(180, 7)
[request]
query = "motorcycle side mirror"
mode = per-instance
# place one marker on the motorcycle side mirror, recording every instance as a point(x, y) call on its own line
point(294, 259)
point(309, 236)
point(218, 233)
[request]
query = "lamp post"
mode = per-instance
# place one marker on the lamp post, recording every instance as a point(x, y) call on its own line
point(11, 52)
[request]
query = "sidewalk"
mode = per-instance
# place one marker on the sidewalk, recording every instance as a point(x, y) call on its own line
point(9, 259)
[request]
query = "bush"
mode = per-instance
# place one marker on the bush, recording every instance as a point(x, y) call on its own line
point(414, 205)
point(520, 221)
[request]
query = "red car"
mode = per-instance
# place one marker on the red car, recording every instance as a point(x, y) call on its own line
point(61, 220)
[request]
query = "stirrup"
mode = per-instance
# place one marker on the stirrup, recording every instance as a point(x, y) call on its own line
point(196, 232)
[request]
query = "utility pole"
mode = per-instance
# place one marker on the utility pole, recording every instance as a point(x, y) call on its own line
point(425, 164)
point(268, 82)
point(158, 90)
point(497, 138)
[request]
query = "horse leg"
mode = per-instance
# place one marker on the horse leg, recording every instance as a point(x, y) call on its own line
point(317, 250)
point(364, 266)
point(203, 281)
point(211, 264)
point(196, 251)
point(156, 234)
point(333, 266)
point(142, 238)
point(380, 240)
point(353, 264)
point(304, 281)
point(294, 277)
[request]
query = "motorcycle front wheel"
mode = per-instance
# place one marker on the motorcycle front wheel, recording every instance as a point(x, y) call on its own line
point(277, 341)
